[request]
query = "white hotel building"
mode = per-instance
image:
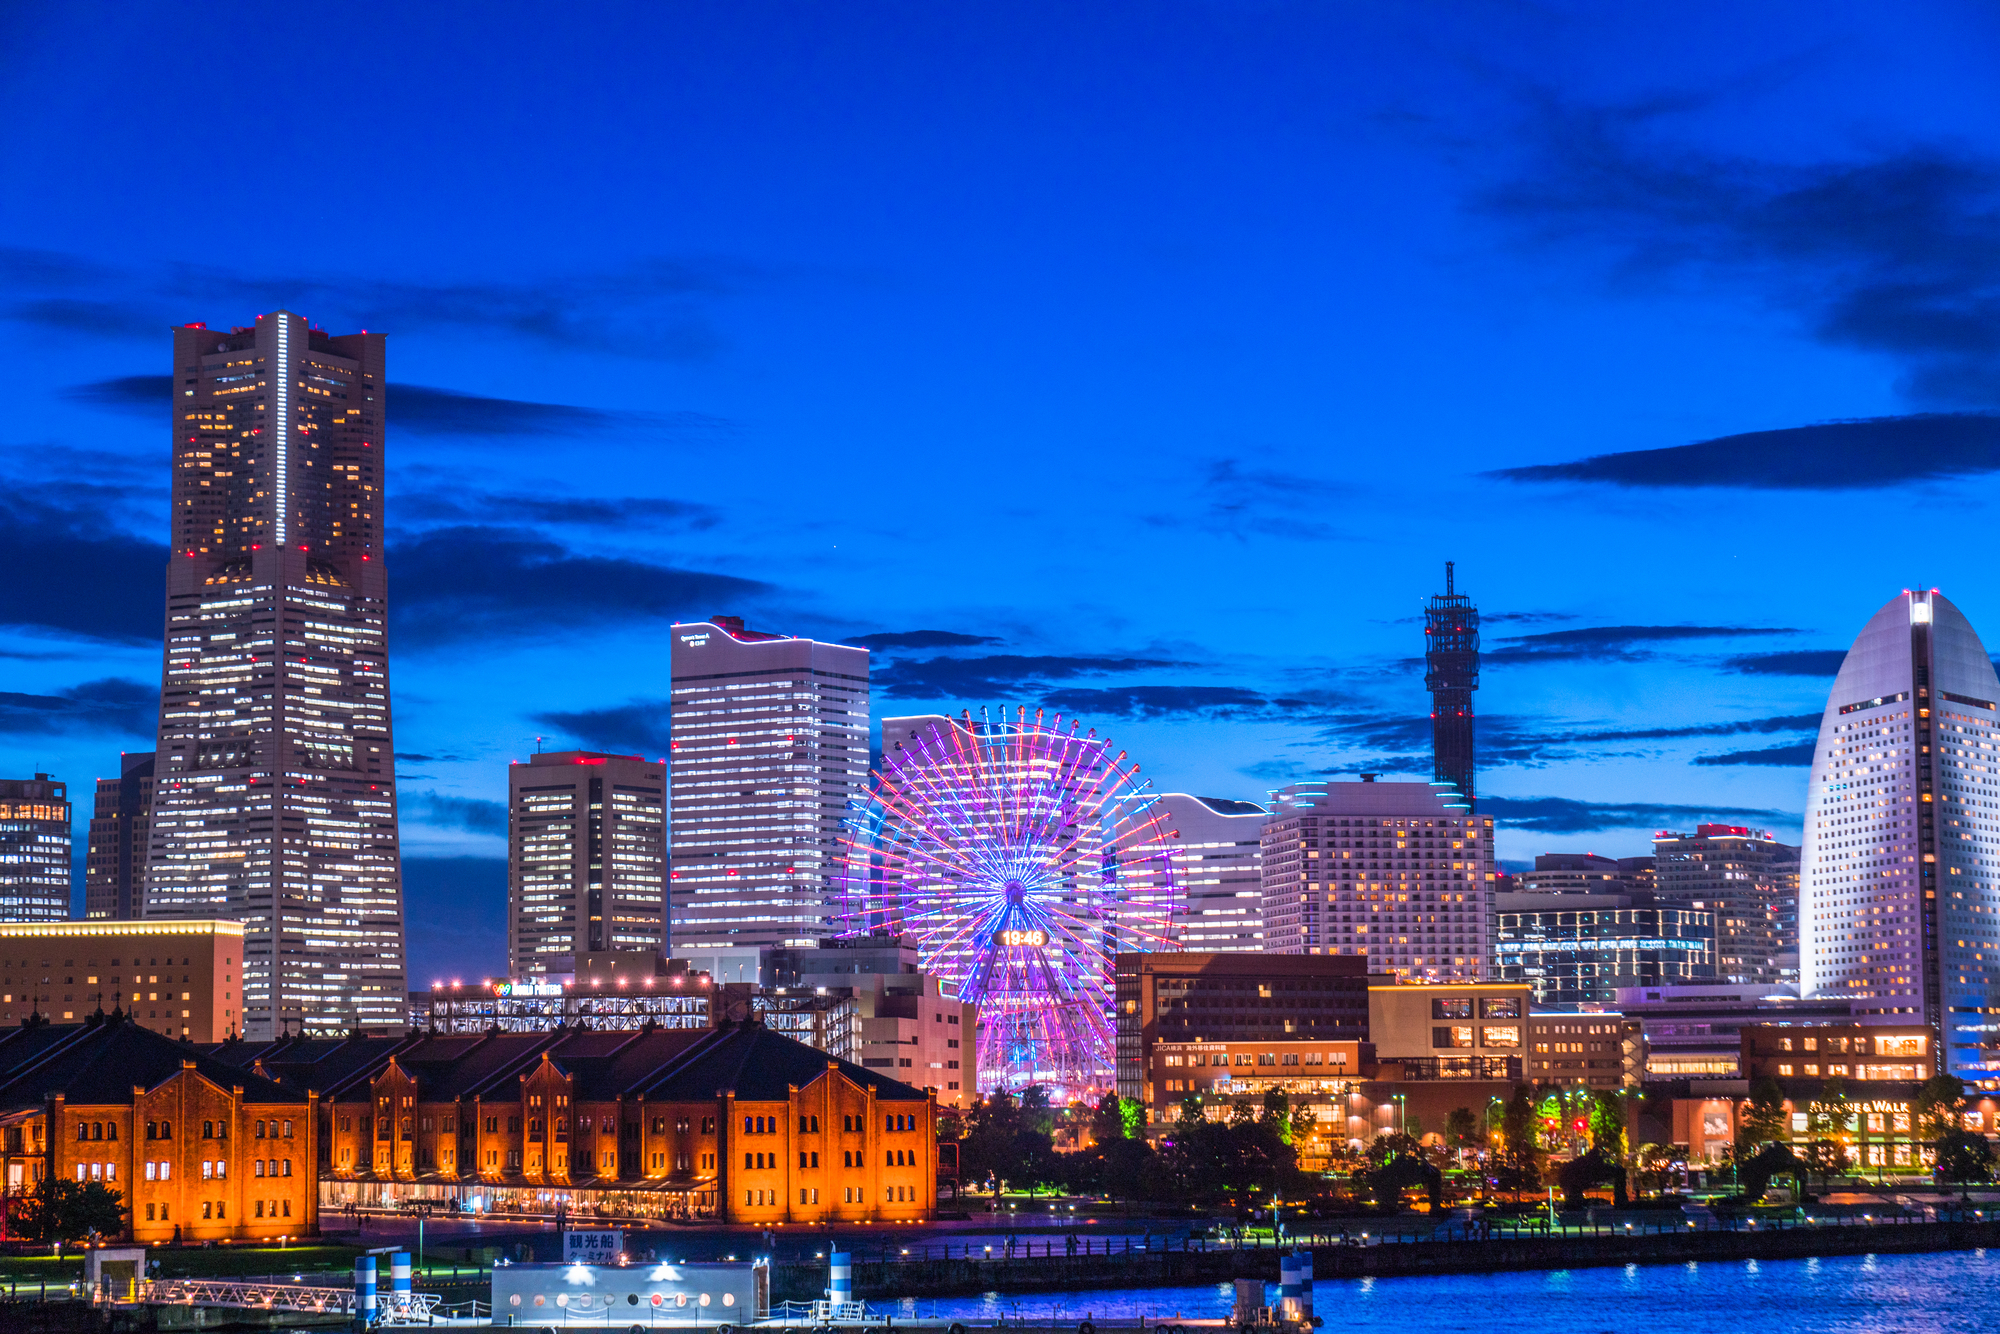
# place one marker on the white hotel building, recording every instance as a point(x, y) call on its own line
point(1900, 873)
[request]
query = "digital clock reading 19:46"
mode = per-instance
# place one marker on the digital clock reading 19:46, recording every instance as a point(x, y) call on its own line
point(1031, 939)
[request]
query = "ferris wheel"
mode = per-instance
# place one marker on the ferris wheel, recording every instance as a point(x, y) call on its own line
point(1020, 855)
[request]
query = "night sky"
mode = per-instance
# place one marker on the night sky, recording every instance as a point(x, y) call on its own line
point(1143, 361)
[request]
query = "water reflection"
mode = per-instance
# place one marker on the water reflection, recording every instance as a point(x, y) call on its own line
point(1878, 1294)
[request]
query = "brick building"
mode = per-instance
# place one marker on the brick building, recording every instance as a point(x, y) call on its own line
point(199, 1149)
point(738, 1125)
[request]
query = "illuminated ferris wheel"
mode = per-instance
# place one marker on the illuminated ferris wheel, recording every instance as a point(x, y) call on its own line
point(1020, 857)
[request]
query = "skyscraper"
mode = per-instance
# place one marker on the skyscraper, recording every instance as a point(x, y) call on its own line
point(586, 858)
point(1749, 882)
point(1451, 674)
point(770, 744)
point(1900, 877)
point(34, 850)
point(1399, 872)
point(114, 870)
point(274, 797)
point(1215, 849)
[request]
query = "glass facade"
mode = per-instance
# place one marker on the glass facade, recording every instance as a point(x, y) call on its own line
point(586, 858)
point(34, 850)
point(1576, 949)
point(274, 780)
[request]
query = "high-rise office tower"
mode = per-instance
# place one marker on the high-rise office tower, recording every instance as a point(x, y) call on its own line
point(1451, 674)
point(1749, 883)
point(1900, 874)
point(34, 850)
point(1215, 849)
point(586, 858)
point(114, 869)
point(1399, 872)
point(770, 745)
point(274, 799)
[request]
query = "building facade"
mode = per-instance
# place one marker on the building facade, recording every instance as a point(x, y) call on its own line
point(1451, 674)
point(737, 1125)
point(1858, 1053)
point(1576, 948)
point(1695, 1032)
point(1478, 1029)
point(180, 979)
point(34, 850)
point(114, 870)
point(200, 1150)
point(1214, 852)
point(1900, 872)
point(1397, 873)
point(274, 797)
point(586, 858)
point(770, 745)
point(1193, 998)
point(1572, 873)
point(1600, 1049)
point(1749, 883)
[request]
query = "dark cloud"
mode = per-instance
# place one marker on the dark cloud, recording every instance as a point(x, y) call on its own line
point(458, 583)
point(428, 411)
point(1212, 702)
point(414, 757)
point(471, 507)
point(1243, 500)
point(921, 639)
point(1610, 641)
point(656, 308)
point(1561, 815)
point(1777, 756)
point(113, 704)
point(1791, 722)
point(1829, 456)
point(68, 570)
point(999, 676)
point(1798, 662)
point(638, 727)
point(456, 931)
point(473, 814)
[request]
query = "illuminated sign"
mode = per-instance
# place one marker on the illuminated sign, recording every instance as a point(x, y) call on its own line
point(695, 641)
point(528, 989)
point(1028, 939)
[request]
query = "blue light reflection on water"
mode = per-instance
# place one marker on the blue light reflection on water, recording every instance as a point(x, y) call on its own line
point(1941, 1293)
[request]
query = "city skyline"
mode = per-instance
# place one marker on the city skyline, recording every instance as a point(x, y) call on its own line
point(1049, 398)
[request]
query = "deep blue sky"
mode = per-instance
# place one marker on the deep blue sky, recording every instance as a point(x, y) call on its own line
point(1157, 354)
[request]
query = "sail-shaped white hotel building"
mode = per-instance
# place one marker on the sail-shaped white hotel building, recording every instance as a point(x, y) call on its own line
point(1900, 873)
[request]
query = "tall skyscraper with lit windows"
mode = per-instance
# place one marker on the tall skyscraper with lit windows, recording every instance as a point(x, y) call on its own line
point(274, 799)
point(586, 858)
point(1215, 849)
point(1900, 871)
point(770, 745)
point(34, 850)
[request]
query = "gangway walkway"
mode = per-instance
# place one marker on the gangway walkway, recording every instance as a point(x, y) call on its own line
point(392, 1307)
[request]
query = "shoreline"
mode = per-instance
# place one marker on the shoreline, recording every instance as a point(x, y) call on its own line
point(877, 1280)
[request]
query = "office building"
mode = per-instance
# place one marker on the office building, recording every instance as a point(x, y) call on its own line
point(1592, 1046)
point(1451, 674)
point(34, 850)
point(1859, 1053)
point(610, 990)
point(181, 979)
point(1397, 873)
point(1204, 999)
point(1695, 1032)
point(1900, 872)
point(738, 1125)
point(274, 798)
point(770, 745)
point(1575, 947)
point(1213, 850)
point(1572, 873)
point(114, 868)
point(904, 1020)
point(1749, 882)
point(202, 1151)
point(586, 858)
point(1467, 1030)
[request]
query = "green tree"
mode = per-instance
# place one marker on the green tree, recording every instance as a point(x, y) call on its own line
point(1462, 1129)
point(60, 1210)
point(1761, 1120)
point(1517, 1159)
point(1593, 1168)
point(1402, 1168)
point(1963, 1157)
point(1607, 1123)
point(1937, 1105)
point(1754, 1173)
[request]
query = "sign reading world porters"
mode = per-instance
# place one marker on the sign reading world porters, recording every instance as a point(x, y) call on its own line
point(592, 1247)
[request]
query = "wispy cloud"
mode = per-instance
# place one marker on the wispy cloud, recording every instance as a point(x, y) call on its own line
point(465, 506)
point(114, 704)
point(1797, 662)
point(1797, 755)
point(1625, 642)
point(890, 641)
point(72, 573)
point(636, 727)
point(1002, 677)
point(1564, 815)
point(473, 814)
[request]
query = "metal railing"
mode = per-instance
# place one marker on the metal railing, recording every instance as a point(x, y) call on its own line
point(280, 1297)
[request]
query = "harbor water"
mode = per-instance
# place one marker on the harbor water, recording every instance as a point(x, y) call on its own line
point(1936, 1293)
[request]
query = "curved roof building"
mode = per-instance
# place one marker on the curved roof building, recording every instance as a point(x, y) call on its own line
point(1900, 873)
